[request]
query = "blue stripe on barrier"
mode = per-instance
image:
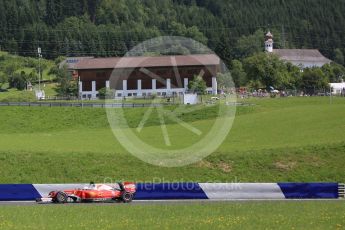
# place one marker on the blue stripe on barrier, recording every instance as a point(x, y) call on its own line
point(309, 190)
point(169, 191)
point(18, 192)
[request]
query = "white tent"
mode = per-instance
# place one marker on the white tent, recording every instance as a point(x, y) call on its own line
point(338, 88)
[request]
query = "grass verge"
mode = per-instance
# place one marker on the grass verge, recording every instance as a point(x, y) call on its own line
point(237, 215)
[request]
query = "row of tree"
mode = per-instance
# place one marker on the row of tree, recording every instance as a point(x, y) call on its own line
point(267, 71)
point(112, 27)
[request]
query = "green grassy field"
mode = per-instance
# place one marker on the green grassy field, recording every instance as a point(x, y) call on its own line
point(237, 215)
point(275, 140)
point(291, 139)
point(14, 95)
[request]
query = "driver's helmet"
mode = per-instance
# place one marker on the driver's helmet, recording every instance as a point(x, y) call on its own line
point(90, 186)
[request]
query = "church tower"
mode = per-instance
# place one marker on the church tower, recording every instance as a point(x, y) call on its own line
point(269, 42)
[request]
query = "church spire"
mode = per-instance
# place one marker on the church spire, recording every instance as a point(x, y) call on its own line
point(269, 42)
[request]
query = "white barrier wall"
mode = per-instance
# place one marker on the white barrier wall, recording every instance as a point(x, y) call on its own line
point(181, 191)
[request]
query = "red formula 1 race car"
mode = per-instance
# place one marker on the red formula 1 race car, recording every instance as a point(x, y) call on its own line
point(121, 192)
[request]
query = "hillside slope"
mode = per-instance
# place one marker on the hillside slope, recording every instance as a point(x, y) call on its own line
point(293, 139)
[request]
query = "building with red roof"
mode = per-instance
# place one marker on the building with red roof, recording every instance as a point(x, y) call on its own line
point(146, 76)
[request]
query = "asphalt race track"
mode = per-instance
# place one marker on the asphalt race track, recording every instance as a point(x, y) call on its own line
point(167, 202)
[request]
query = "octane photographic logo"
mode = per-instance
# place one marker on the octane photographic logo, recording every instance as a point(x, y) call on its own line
point(169, 136)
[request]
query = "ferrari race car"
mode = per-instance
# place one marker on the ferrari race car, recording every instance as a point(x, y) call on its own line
point(121, 192)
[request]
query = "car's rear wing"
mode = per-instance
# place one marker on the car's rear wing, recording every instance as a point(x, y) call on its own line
point(341, 191)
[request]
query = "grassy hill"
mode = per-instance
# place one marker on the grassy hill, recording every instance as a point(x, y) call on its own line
point(13, 64)
point(292, 139)
point(26, 64)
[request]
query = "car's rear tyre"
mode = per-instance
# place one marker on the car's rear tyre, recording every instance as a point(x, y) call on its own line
point(61, 197)
point(127, 197)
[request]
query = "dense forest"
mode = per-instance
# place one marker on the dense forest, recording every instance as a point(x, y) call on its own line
point(111, 27)
point(234, 29)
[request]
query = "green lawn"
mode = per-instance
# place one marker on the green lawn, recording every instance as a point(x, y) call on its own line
point(237, 215)
point(14, 95)
point(290, 139)
point(275, 140)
